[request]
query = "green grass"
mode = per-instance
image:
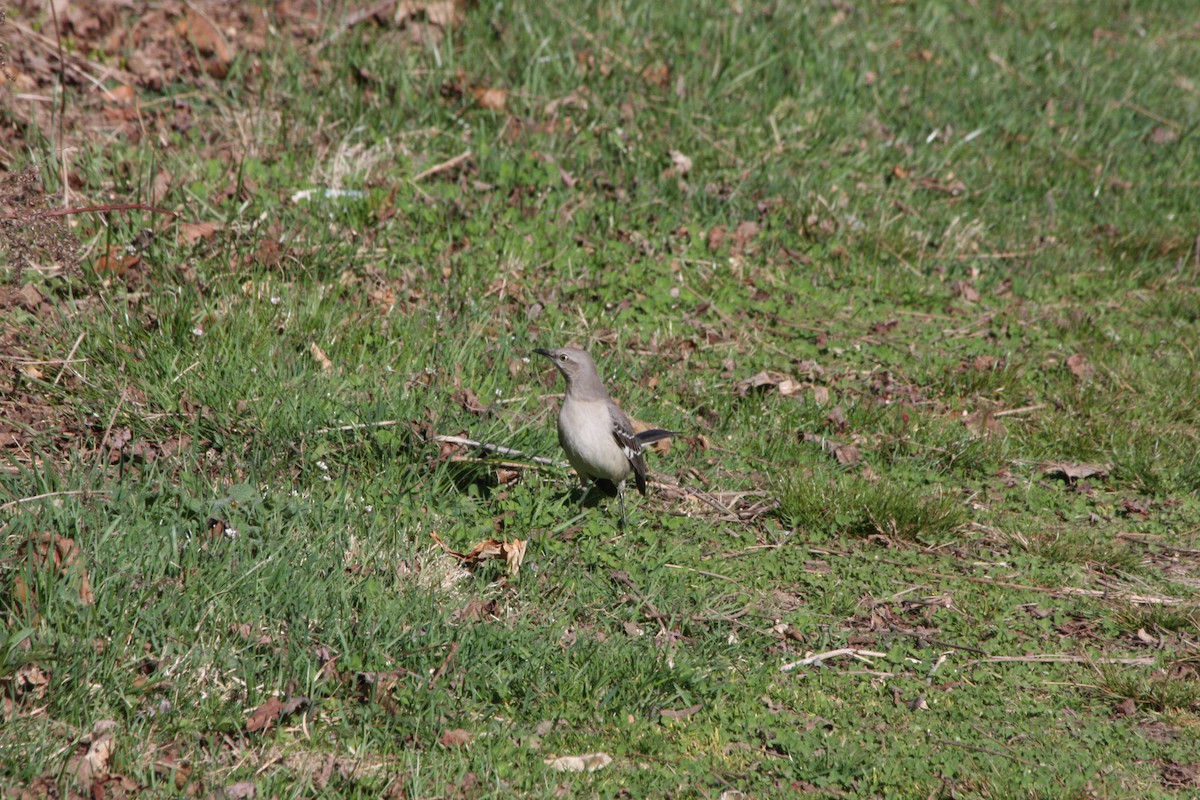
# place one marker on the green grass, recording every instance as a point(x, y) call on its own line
point(951, 206)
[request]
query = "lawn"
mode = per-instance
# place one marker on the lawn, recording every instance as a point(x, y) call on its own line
point(916, 283)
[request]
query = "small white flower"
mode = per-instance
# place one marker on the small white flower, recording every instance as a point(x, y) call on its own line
point(275, 301)
point(197, 331)
point(321, 465)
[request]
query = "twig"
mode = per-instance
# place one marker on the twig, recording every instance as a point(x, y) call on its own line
point(355, 18)
point(985, 750)
point(359, 426)
point(1134, 537)
point(853, 652)
point(33, 498)
point(70, 356)
point(495, 448)
point(111, 421)
point(706, 573)
point(940, 642)
point(433, 679)
point(1063, 658)
point(61, 212)
point(449, 164)
point(1022, 410)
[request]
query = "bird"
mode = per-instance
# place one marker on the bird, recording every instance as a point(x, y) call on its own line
point(594, 432)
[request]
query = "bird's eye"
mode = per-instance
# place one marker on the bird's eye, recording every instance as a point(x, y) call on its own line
point(562, 357)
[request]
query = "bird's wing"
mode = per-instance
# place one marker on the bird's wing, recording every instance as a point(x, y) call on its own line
point(623, 433)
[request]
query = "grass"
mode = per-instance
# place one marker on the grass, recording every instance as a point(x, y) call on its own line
point(964, 234)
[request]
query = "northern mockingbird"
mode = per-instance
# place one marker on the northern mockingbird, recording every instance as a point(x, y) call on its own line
point(594, 432)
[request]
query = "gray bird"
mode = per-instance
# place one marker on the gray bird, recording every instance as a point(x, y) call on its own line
point(594, 432)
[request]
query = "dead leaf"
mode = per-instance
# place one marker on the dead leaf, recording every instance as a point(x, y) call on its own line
point(491, 99)
point(29, 679)
point(767, 379)
point(469, 401)
point(1080, 367)
point(1161, 134)
point(985, 363)
point(265, 715)
point(319, 356)
point(243, 790)
point(193, 232)
point(439, 13)
point(846, 454)
point(983, 423)
point(744, 233)
point(588, 762)
point(116, 261)
point(966, 291)
point(513, 552)
point(57, 553)
point(680, 164)
point(160, 186)
point(93, 763)
point(572, 100)
point(680, 713)
point(1074, 472)
point(715, 238)
point(455, 737)
point(209, 42)
point(657, 74)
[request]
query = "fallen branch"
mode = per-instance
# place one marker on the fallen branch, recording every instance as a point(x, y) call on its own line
point(495, 448)
point(1138, 538)
point(1063, 658)
point(818, 659)
point(449, 164)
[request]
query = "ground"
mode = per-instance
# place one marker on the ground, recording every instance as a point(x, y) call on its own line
point(283, 511)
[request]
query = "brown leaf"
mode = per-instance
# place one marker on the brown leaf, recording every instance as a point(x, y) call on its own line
point(985, 363)
point(715, 238)
point(455, 737)
point(439, 13)
point(744, 233)
point(93, 764)
point(243, 790)
point(160, 187)
point(966, 291)
point(983, 423)
point(846, 454)
point(209, 42)
point(587, 762)
point(680, 164)
point(1080, 367)
point(265, 715)
point(193, 232)
point(319, 356)
point(572, 100)
point(116, 261)
point(657, 74)
point(47, 551)
point(680, 713)
point(1074, 472)
point(767, 379)
point(469, 401)
point(513, 552)
point(1161, 134)
point(491, 99)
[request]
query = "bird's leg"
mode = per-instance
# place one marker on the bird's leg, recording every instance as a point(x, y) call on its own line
point(621, 498)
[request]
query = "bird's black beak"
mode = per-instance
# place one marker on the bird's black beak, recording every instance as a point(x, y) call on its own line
point(541, 351)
